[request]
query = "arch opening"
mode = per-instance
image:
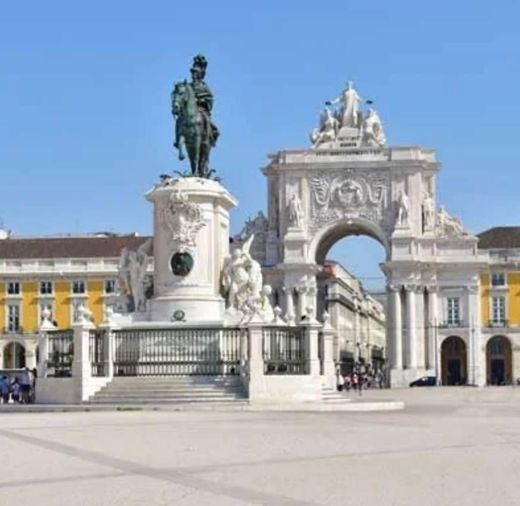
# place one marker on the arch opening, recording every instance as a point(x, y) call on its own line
point(454, 365)
point(351, 288)
point(14, 356)
point(499, 363)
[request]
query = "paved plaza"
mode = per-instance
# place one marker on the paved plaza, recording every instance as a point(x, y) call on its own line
point(449, 446)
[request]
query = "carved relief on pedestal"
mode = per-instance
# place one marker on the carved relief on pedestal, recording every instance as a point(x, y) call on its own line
point(350, 195)
point(184, 220)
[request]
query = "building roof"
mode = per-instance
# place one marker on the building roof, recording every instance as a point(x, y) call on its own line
point(499, 238)
point(68, 247)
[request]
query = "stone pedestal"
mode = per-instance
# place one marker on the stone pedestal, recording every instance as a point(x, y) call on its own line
point(191, 241)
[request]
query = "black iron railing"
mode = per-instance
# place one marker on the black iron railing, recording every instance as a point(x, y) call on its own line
point(97, 347)
point(182, 351)
point(60, 353)
point(284, 350)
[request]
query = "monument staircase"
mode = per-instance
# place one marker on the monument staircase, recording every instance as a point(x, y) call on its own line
point(330, 395)
point(175, 390)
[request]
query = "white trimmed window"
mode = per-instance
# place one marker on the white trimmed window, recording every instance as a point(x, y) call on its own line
point(13, 288)
point(78, 287)
point(13, 318)
point(453, 311)
point(498, 310)
point(498, 279)
point(45, 287)
point(110, 286)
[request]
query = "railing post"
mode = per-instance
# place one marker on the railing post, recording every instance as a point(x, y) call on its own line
point(329, 367)
point(81, 367)
point(256, 349)
point(312, 328)
point(109, 326)
point(244, 352)
point(43, 342)
point(43, 350)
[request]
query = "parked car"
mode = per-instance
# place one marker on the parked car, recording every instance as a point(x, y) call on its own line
point(425, 381)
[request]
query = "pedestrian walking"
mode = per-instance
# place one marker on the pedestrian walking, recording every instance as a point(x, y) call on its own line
point(340, 381)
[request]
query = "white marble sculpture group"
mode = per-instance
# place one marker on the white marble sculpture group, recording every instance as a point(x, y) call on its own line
point(242, 284)
point(348, 121)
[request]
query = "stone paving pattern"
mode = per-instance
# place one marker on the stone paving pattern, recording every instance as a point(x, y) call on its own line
point(449, 446)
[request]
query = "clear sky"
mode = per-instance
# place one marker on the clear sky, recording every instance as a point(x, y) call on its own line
point(85, 123)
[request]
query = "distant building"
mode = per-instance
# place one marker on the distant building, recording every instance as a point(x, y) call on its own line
point(56, 273)
point(359, 319)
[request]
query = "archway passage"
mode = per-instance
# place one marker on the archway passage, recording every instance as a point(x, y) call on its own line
point(14, 356)
point(499, 363)
point(352, 289)
point(454, 368)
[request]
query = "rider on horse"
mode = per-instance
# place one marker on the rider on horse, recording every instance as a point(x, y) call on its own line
point(203, 96)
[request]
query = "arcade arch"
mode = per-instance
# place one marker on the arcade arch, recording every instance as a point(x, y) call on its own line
point(454, 361)
point(14, 356)
point(499, 363)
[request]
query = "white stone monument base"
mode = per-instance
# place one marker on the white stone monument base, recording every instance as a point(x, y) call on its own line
point(196, 310)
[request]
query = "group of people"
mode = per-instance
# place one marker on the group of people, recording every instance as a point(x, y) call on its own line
point(19, 389)
point(360, 378)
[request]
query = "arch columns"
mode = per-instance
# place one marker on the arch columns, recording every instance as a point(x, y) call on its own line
point(395, 328)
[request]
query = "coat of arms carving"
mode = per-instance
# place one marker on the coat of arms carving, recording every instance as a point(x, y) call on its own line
point(184, 220)
point(349, 195)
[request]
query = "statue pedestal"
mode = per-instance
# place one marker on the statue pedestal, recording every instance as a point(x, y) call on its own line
point(190, 243)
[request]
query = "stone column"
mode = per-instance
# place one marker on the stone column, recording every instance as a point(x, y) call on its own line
point(397, 330)
point(476, 359)
point(412, 327)
point(30, 357)
point(420, 328)
point(432, 328)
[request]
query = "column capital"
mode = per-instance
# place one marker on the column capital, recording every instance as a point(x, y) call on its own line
point(413, 288)
point(394, 288)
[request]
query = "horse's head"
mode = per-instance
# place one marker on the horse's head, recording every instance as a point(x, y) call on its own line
point(179, 96)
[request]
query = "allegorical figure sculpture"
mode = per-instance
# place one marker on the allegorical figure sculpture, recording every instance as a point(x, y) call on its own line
point(373, 134)
point(132, 282)
point(351, 102)
point(447, 225)
point(403, 210)
point(294, 211)
point(242, 282)
point(328, 129)
point(191, 107)
point(428, 212)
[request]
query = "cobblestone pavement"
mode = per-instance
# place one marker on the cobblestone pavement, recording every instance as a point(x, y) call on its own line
point(449, 446)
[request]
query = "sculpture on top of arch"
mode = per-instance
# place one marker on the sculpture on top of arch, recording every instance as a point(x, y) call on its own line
point(348, 125)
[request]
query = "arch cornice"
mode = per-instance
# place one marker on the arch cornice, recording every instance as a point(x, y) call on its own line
point(326, 236)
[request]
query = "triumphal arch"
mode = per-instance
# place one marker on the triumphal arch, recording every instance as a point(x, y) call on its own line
point(350, 182)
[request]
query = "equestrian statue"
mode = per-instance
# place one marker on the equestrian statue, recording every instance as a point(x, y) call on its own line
point(192, 103)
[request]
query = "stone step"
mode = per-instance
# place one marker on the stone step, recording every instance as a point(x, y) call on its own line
point(167, 400)
point(171, 390)
point(137, 395)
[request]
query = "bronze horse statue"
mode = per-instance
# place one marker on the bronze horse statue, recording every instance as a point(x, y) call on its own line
point(192, 129)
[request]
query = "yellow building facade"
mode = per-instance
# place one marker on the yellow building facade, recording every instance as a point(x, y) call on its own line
point(59, 274)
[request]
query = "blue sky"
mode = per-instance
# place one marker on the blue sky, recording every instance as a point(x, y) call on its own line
point(85, 124)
